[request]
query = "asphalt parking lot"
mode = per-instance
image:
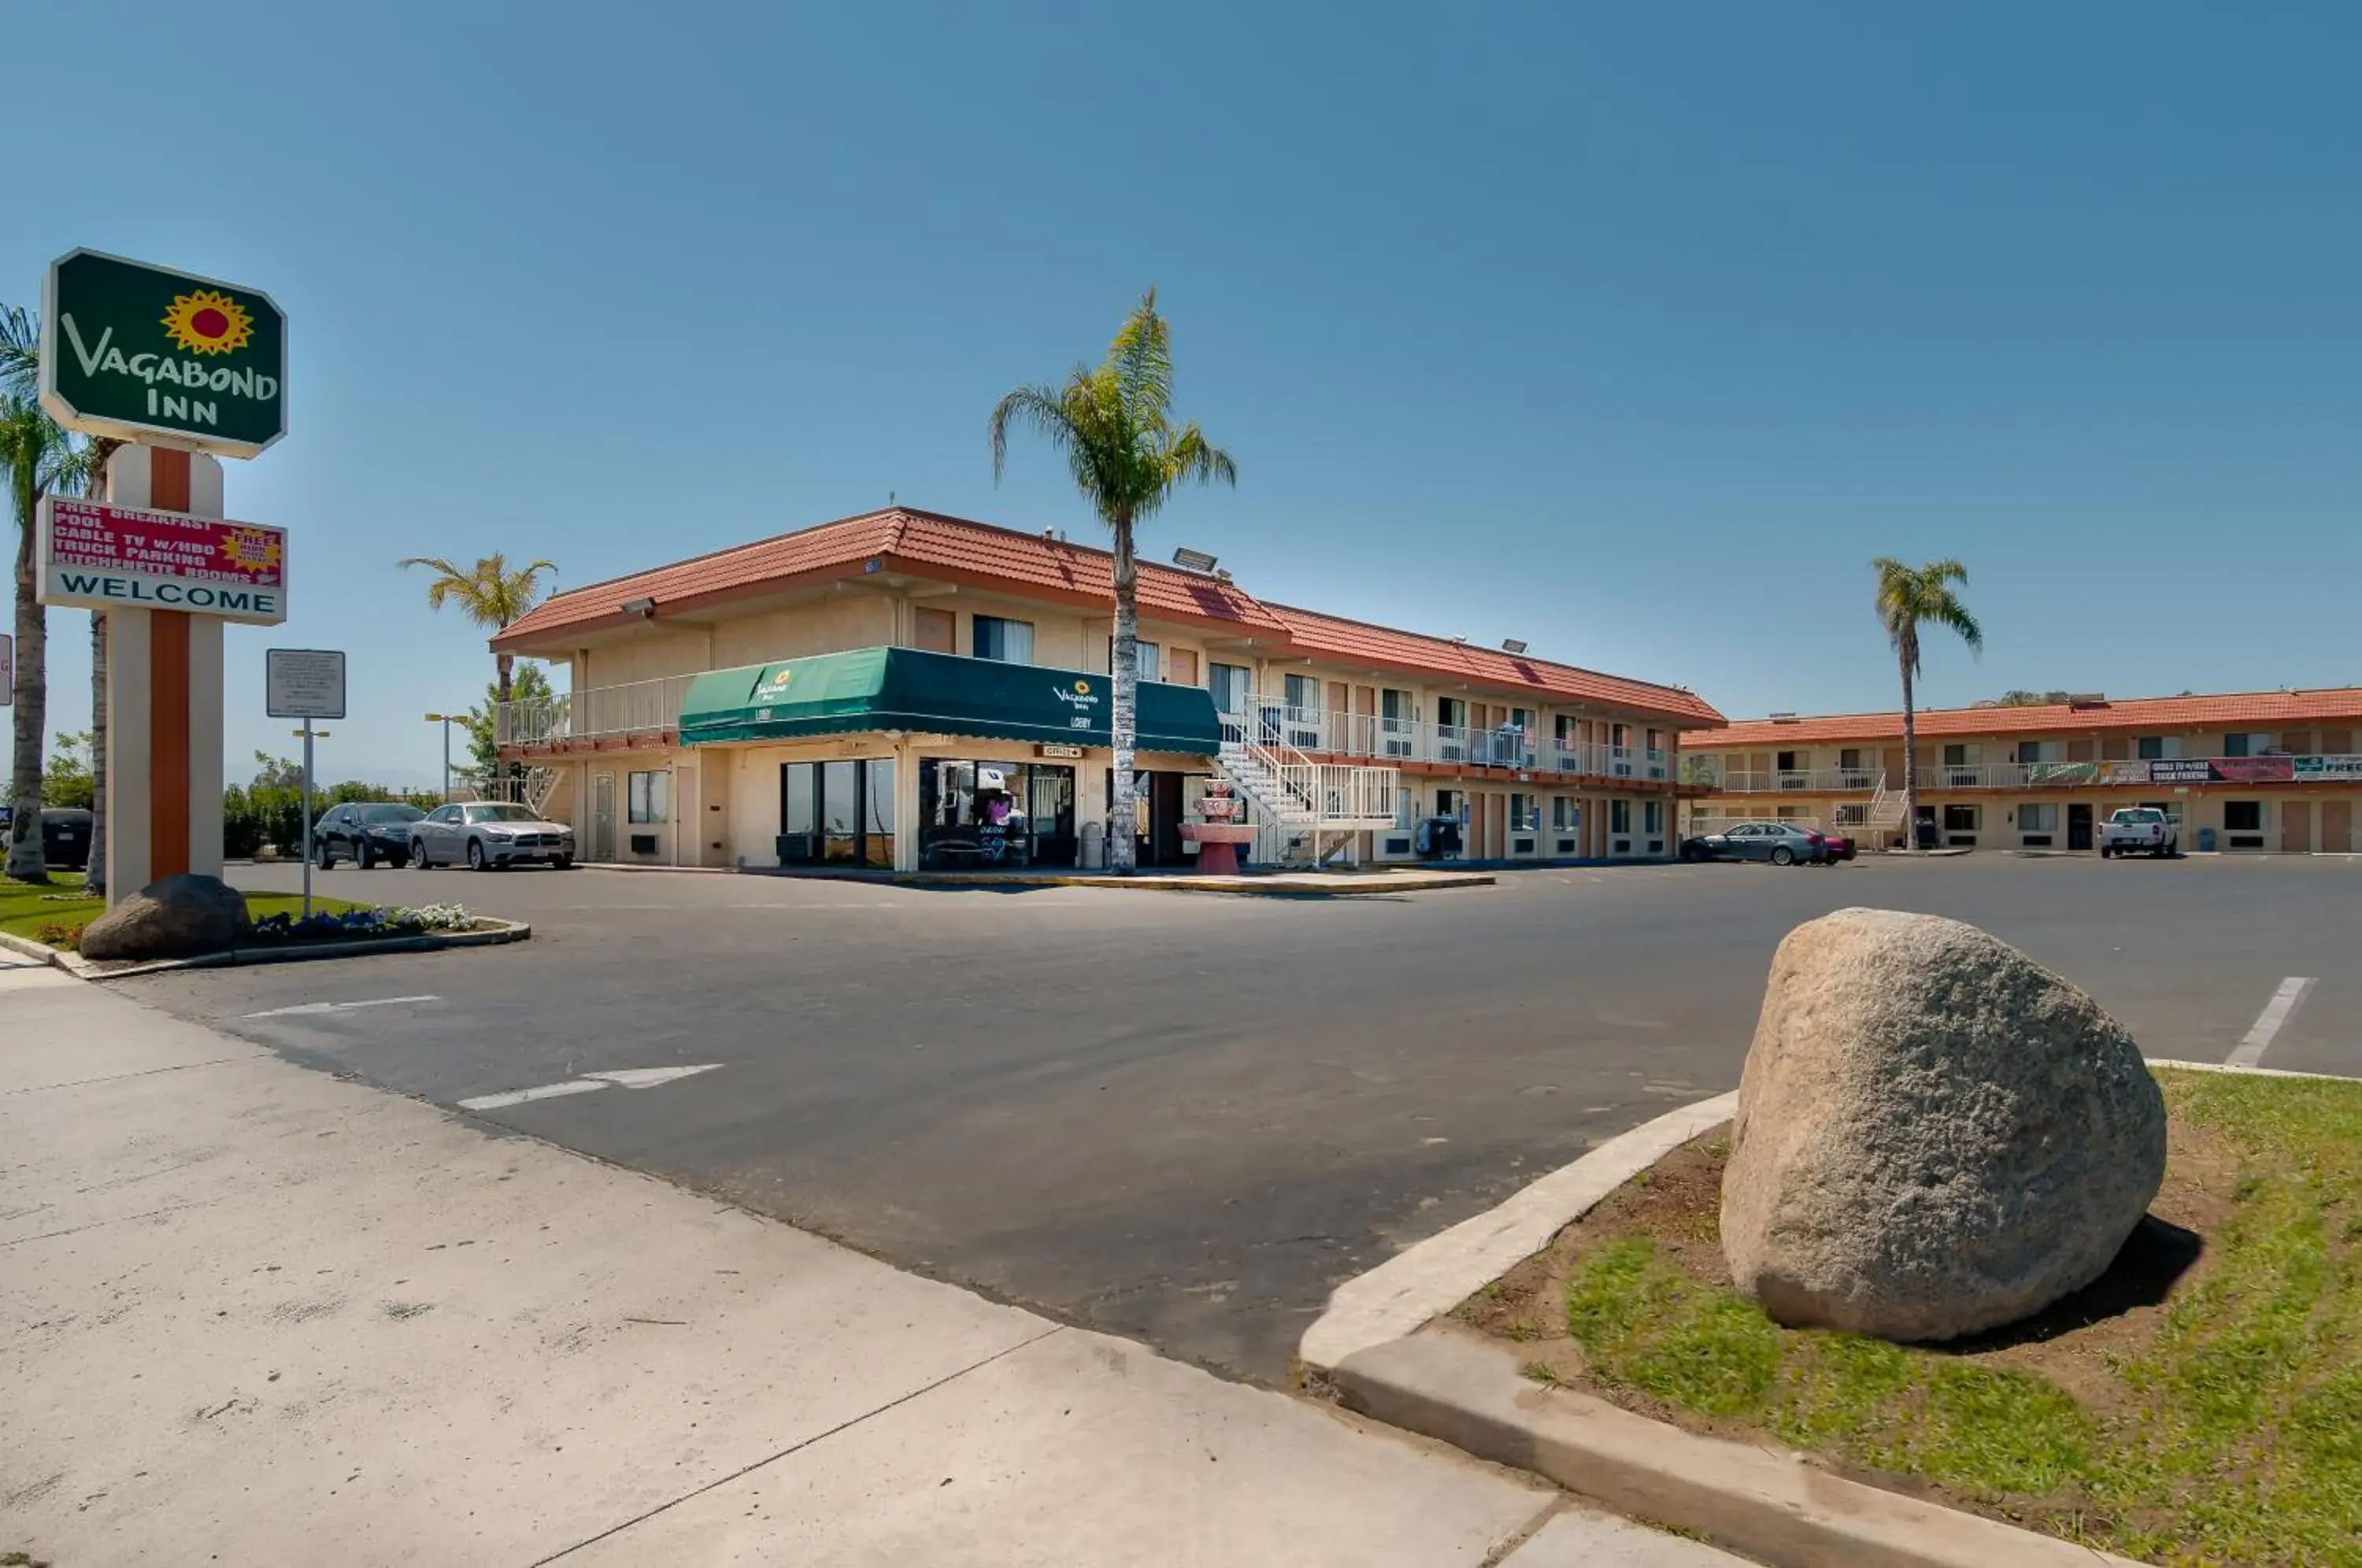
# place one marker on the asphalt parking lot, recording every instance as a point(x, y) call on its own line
point(1185, 1118)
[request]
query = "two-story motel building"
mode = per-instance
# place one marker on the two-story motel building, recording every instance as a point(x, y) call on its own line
point(2261, 771)
point(908, 690)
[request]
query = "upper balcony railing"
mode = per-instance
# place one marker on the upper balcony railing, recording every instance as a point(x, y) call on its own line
point(2140, 772)
point(1405, 742)
point(643, 707)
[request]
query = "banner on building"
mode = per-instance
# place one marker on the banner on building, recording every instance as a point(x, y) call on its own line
point(2125, 772)
point(2327, 770)
point(2252, 769)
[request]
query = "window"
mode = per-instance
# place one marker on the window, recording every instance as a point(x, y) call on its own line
point(1566, 814)
point(1181, 667)
point(936, 631)
point(1404, 806)
point(444, 814)
point(1850, 760)
point(1656, 740)
point(1619, 816)
point(1956, 757)
point(1525, 813)
point(1790, 813)
point(1522, 720)
point(2038, 818)
point(648, 798)
point(1009, 642)
point(1228, 685)
point(1303, 692)
point(1619, 735)
point(2158, 748)
point(1394, 721)
point(1446, 802)
point(1452, 711)
point(1147, 652)
point(2243, 816)
point(1787, 762)
point(1960, 819)
point(2246, 745)
point(1652, 817)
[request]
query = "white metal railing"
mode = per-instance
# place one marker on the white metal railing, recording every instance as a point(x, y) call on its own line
point(639, 707)
point(1778, 780)
point(1274, 722)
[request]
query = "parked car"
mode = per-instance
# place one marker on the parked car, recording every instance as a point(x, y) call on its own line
point(2139, 830)
point(484, 834)
point(65, 837)
point(1781, 844)
point(364, 832)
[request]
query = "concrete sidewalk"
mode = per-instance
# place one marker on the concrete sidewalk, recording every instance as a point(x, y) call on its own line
point(254, 1315)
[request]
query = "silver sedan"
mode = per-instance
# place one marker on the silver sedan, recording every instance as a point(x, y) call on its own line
point(1781, 844)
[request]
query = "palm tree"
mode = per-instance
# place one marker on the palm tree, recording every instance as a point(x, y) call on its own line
point(83, 469)
point(36, 457)
point(488, 593)
point(1115, 427)
point(1906, 596)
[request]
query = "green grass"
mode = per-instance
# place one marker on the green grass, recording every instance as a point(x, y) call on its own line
point(2231, 1435)
point(39, 911)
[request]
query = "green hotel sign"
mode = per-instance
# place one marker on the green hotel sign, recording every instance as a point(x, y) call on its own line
point(148, 354)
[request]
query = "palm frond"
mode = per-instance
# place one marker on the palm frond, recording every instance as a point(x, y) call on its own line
point(1195, 458)
point(20, 350)
point(1141, 353)
point(1040, 407)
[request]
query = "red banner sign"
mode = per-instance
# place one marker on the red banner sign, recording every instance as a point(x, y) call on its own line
point(118, 557)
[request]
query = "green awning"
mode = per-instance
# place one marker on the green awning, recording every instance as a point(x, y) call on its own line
point(933, 693)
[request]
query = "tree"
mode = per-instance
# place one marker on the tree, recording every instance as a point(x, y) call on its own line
point(490, 595)
point(68, 781)
point(529, 686)
point(1114, 425)
point(2017, 698)
point(29, 444)
point(1907, 597)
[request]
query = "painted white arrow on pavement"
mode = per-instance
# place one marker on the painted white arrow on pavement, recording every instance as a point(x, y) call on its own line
point(589, 1083)
point(337, 1006)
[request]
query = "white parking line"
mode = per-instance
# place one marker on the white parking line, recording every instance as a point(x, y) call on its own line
point(589, 1083)
point(337, 1006)
point(2277, 1012)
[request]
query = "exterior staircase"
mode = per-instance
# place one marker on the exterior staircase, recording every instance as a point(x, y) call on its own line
point(1297, 802)
point(1876, 817)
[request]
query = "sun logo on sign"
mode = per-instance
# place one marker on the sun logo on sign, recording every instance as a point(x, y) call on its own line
point(1082, 688)
point(251, 549)
point(207, 322)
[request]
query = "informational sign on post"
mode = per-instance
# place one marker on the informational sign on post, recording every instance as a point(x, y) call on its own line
point(94, 556)
point(151, 354)
point(303, 683)
point(7, 670)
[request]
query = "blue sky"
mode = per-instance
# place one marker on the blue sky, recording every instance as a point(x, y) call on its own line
point(1631, 331)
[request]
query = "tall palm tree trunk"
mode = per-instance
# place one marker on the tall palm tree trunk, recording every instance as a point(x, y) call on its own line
point(99, 654)
point(504, 681)
point(1910, 761)
point(1123, 730)
point(25, 861)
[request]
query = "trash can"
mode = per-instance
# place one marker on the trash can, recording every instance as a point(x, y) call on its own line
point(1927, 839)
point(2206, 841)
point(1093, 846)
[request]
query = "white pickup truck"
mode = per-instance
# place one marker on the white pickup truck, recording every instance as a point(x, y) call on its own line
point(2140, 829)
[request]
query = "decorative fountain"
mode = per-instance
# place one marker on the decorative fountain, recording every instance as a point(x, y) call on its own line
point(1219, 832)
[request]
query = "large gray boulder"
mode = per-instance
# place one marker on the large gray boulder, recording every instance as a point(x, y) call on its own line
point(1936, 1135)
point(177, 917)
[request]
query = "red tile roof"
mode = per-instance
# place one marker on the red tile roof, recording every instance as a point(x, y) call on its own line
point(929, 545)
point(2156, 714)
point(1357, 642)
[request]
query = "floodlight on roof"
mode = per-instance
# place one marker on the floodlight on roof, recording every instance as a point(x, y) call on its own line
point(1193, 560)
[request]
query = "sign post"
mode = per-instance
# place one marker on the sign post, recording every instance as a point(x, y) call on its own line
point(306, 684)
point(184, 368)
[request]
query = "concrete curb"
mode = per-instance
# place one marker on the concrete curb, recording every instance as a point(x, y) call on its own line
point(1433, 1276)
point(1272, 885)
point(1778, 1507)
point(2236, 1068)
point(73, 963)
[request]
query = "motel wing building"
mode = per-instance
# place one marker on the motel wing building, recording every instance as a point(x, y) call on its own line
point(913, 690)
point(2262, 771)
